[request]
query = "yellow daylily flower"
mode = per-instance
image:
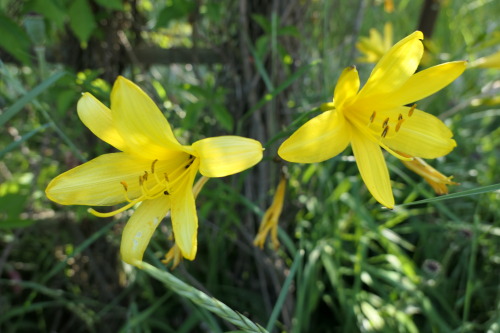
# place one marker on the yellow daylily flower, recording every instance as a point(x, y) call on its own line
point(436, 179)
point(374, 47)
point(153, 169)
point(376, 117)
point(491, 61)
point(269, 223)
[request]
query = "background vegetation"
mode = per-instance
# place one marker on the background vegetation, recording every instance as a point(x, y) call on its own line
point(255, 68)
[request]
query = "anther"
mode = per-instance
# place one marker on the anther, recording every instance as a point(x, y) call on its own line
point(386, 121)
point(153, 166)
point(384, 132)
point(189, 164)
point(125, 186)
point(166, 177)
point(191, 156)
point(145, 176)
point(398, 125)
point(166, 192)
point(410, 112)
point(141, 181)
point(372, 117)
point(400, 117)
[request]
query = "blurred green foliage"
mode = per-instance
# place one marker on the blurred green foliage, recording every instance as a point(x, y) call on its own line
point(351, 265)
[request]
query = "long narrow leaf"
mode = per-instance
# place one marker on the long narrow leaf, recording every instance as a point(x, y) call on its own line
point(474, 191)
point(30, 96)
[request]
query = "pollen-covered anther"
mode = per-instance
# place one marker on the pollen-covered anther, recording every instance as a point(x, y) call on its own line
point(400, 117)
point(413, 107)
point(372, 117)
point(125, 186)
point(145, 176)
point(386, 121)
point(398, 125)
point(153, 166)
point(386, 129)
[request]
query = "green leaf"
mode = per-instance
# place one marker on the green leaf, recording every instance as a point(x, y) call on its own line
point(82, 20)
point(50, 10)
point(20, 103)
point(223, 116)
point(468, 193)
point(25, 137)
point(14, 39)
point(111, 4)
point(177, 10)
point(263, 22)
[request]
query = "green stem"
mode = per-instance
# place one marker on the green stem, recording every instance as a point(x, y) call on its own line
point(198, 297)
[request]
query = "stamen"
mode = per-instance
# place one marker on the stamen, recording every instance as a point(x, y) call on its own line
point(398, 125)
point(386, 121)
point(125, 186)
point(384, 132)
point(166, 192)
point(113, 213)
point(153, 166)
point(410, 112)
point(166, 177)
point(372, 117)
point(400, 117)
point(145, 176)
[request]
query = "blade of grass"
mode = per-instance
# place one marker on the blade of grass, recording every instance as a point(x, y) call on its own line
point(467, 193)
point(269, 97)
point(201, 299)
point(30, 96)
point(13, 145)
point(297, 261)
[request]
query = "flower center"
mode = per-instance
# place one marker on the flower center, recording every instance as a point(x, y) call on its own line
point(388, 128)
point(152, 185)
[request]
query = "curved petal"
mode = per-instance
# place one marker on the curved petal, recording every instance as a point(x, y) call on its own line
point(226, 155)
point(99, 182)
point(373, 169)
point(347, 87)
point(141, 124)
point(140, 228)
point(183, 213)
point(418, 86)
point(422, 135)
point(97, 117)
point(321, 138)
point(395, 67)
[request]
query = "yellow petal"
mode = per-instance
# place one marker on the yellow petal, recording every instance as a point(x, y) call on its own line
point(321, 138)
point(347, 87)
point(226, 155)
point(395, 67)
point(436, 179)
point(99, 182)
point(373, 169)
point(184, 216)
point(491, 61)
point(422, 134)
point(141, 124)
point(418, 86)
point(140, 228)
point(97, 117)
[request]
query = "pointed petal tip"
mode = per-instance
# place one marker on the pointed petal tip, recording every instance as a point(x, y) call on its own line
point(191, 255)
point(418, 34)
